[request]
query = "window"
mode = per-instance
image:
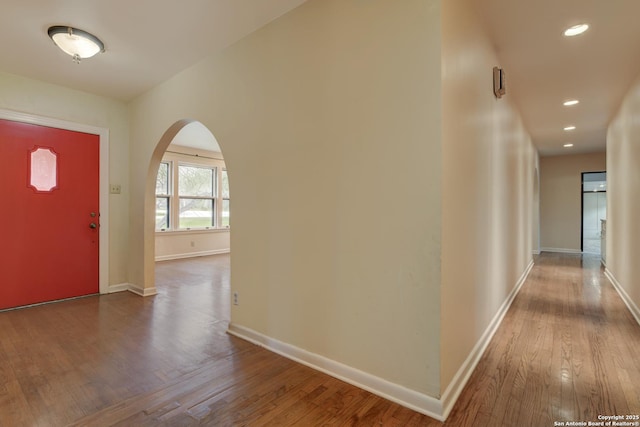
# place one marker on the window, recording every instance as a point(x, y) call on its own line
point(197, 192)
point(163, 197)
point(224, 221)
point(191, 193)
point(43, 170)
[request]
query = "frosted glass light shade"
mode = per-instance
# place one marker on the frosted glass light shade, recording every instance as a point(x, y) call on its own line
point(576, 30)
point(76, 43)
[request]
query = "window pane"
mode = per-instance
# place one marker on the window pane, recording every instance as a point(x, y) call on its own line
point(196, 213)
point(44, 169)
point(225, 185)
point(224, 222)
point(162, 182)
point(195, 181)
point(162, 213)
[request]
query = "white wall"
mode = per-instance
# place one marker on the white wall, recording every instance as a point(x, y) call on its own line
point(329, 121)
point(489, 168)
point(623, 198)
point(25, 95)
point(561, 198)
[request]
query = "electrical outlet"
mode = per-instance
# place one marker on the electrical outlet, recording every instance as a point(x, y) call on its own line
point(235, 298)
point(115, 189)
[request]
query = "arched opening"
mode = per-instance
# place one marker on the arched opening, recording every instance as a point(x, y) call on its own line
point(186, 201)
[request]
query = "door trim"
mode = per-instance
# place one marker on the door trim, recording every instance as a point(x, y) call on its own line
point(103, 134)
point(582, 174)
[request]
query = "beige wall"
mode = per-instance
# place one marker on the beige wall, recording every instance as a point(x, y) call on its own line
point(623, 197)
point(561, 198)
point(536, 209)
point(489, 168)
point(329, 122)
point(187, 244)
point(24, 95)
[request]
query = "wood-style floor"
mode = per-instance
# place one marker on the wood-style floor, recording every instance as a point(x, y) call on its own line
point(568, 350)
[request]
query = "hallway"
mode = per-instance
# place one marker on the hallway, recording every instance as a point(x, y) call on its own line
point(566, 351)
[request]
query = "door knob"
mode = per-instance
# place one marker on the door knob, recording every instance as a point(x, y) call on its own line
point(93, 225)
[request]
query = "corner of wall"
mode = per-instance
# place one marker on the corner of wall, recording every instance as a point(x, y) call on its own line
point(411, 399)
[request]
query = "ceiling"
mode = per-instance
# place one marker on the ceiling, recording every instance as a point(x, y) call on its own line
point(198, 136)
point(544, 68)
point(148, 41)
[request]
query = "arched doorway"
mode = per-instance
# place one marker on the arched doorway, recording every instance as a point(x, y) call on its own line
point(187, 198)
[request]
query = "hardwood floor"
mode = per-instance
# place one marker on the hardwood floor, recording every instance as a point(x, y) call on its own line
point(567, 351)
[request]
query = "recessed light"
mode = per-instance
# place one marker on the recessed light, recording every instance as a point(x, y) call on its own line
point(568, 145)
point(570, 102)
point(569, 128)
point(576, 30)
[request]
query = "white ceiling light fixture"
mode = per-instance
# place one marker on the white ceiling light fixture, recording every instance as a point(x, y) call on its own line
point(568, 128)
point(77, 43)
point(569, 145)
point(576, 30)
point(570, 102)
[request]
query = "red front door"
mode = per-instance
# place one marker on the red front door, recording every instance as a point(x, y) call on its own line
point(49, 213)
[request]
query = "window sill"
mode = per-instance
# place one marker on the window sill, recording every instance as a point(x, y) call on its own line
point(194, 231)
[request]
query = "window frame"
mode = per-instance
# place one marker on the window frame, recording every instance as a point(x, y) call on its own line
point(223, 171)
point(167, 196)
point(204, 160)
point(180, 197)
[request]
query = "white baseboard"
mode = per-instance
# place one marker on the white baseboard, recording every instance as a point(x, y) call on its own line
point(412, 399)
point(120, 287)
point(420, 402)
point(143, 292)
point(460, 379)
point(561, 250)
point(192, 254)
point(536, 252)
point(633, 308)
